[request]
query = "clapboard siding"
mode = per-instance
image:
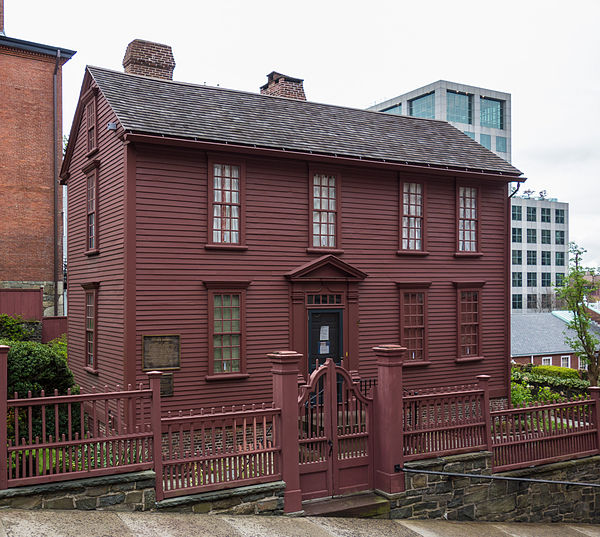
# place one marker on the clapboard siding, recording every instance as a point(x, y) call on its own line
point(171, 263)
point(106, 267)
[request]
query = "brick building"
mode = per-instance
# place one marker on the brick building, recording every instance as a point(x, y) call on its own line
point(30, 156)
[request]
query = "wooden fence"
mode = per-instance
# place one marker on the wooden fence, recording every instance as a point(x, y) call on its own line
point(53, 327)
point(28, 303)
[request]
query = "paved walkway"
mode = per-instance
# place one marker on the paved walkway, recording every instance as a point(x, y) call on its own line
point(16, 523)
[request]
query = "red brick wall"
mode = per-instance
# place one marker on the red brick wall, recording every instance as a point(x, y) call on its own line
point(26, 166)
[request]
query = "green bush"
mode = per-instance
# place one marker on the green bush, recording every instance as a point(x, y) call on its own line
point(14, 328)
point(566, 387)
point(555, 371)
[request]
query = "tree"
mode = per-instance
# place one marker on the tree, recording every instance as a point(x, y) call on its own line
point(575, 292)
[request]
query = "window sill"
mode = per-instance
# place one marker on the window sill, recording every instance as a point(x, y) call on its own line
point(91, 253)
point(233, 247)
point(416, 363)
point(468, 359)
point(468, 254)
point(227, 376)
point(91, 153)
point(322, 251)
point(90, 370)
point(417, 253)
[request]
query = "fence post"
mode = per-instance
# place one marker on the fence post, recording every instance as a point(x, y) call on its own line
point(595, 396)
point(155, 423)
point(389, 428)
point(284, 368)
point(483, 383)
point(3, 417)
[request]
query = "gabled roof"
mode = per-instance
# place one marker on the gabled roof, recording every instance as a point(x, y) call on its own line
point(174, 109)
point(326, 268)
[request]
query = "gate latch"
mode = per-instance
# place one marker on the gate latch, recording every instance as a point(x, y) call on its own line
point(330, 443)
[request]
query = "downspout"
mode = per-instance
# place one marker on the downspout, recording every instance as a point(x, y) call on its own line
point(55, 175)
point(516, 190)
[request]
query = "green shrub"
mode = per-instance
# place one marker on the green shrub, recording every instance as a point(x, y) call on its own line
point(565, 387)
point(59, 345)
point(14, 328)
point(555, 371)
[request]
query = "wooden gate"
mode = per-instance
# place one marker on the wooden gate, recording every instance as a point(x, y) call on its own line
point(334, 426)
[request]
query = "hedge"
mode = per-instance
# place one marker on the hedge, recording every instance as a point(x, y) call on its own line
point(555, 371)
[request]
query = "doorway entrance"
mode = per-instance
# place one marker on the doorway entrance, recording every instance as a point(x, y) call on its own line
point(325, 337)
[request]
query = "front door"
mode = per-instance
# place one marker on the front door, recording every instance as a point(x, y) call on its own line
point(324, 337)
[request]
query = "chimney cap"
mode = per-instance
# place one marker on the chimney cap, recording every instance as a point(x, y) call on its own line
point(274, 77)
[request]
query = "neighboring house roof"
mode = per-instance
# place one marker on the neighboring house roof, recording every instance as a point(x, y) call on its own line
point(38, 48)
point(181, 110)
point(540, 333)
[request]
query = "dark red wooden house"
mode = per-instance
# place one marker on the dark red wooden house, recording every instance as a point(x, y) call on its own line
point(208, 227)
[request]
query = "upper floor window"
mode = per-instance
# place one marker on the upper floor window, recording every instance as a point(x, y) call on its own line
point(423, 106)
point(531, 214)
point(559, 237)
point(531, 236)
point(91, 239)
point(531, 257)
point(545, 214)
point(412, 216)
point(517, 302)
point(225, 212)
point(396, 109)
point(517, 257)
point(486, 141)
point(491, 113)
point(517, 279)
point(559, 216)
point(517, 212)
point(501, 144)
point(470, 134)
point(559, 259)
point(90, 124)
point(467, 219)
point(546, 279)
point(324, 210)
point(459, 107)
point(517, 234)
point(532, 279)
point(546, 258)
point(560, 278)
point(546, 236)
point(532, 301)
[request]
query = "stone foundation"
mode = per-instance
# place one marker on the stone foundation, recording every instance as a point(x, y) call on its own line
point(463, 498)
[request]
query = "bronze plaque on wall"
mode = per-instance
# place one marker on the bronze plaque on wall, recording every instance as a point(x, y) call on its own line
point(166, 384)
point(160, 352)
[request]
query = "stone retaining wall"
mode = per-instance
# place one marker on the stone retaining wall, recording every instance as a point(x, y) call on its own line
point(463, 498)
point(135, 492)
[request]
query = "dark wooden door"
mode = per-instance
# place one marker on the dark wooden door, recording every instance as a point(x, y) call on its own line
point(324, 337)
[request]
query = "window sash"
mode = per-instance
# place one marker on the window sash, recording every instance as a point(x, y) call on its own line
point(324, 210)
point(91, 323)
point(226, 224)
point(468, 215)
point(412, 216)
point(91, 205)
point(413, 321)
point(469, 322)
point(90, 118)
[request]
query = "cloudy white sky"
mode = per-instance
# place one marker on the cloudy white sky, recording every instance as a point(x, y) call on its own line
point(545, 53)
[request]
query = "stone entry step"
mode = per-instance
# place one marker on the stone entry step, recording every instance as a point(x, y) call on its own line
point(364, 505)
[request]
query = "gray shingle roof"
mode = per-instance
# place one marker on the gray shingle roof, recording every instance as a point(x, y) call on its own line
point(176, 109)
point(539, 333)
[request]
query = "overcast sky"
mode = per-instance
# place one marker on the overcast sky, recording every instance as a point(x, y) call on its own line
point(545, 53)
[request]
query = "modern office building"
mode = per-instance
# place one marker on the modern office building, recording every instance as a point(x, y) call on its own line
point(480, 113)
point(539, 252)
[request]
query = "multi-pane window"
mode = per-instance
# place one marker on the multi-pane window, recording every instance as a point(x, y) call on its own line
point(468, 318)
point(517, 212)
point(565, 361)
point(546, 301)
point(531, 279)
point(559, 216)
point(517, 279)
point(583, 364)
point(547, 360)
point(560, 278)
point(560, 259)
point(423, 106)
point(467, 219)
point(413, 324)
point(486, 141)
point(91, 360)
point(322, 300)
point(531, 214)
point(226, 204)
point(459, 107)
point(412, 216)
point(546, 279)
point(531, 236)
point(531, 257)
point(90, 123)
point(501, 144)
point(396, 109)
point(517, 234)
point(226, 333)
point(546, 258)
point(546, 236)
point(517, 257)
point(324, 212)
point(559, 237)
point(532, 302)
point(517, 302)
point(545, 215)
point(491, 113)
point(91, 204)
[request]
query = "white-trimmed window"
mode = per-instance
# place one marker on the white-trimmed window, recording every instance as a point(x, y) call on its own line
point(547, 360)
point(583, 364)
point(565, 361)
point(467, 219)
point(226, 204)
point(412, 216)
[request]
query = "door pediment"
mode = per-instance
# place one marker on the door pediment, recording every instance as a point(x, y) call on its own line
point(327, 268)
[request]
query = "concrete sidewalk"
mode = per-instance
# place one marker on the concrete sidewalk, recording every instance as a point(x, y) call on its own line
point(17, 523)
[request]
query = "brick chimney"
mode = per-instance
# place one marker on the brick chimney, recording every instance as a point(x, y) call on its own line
point(149, 59)
point(283, 86)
